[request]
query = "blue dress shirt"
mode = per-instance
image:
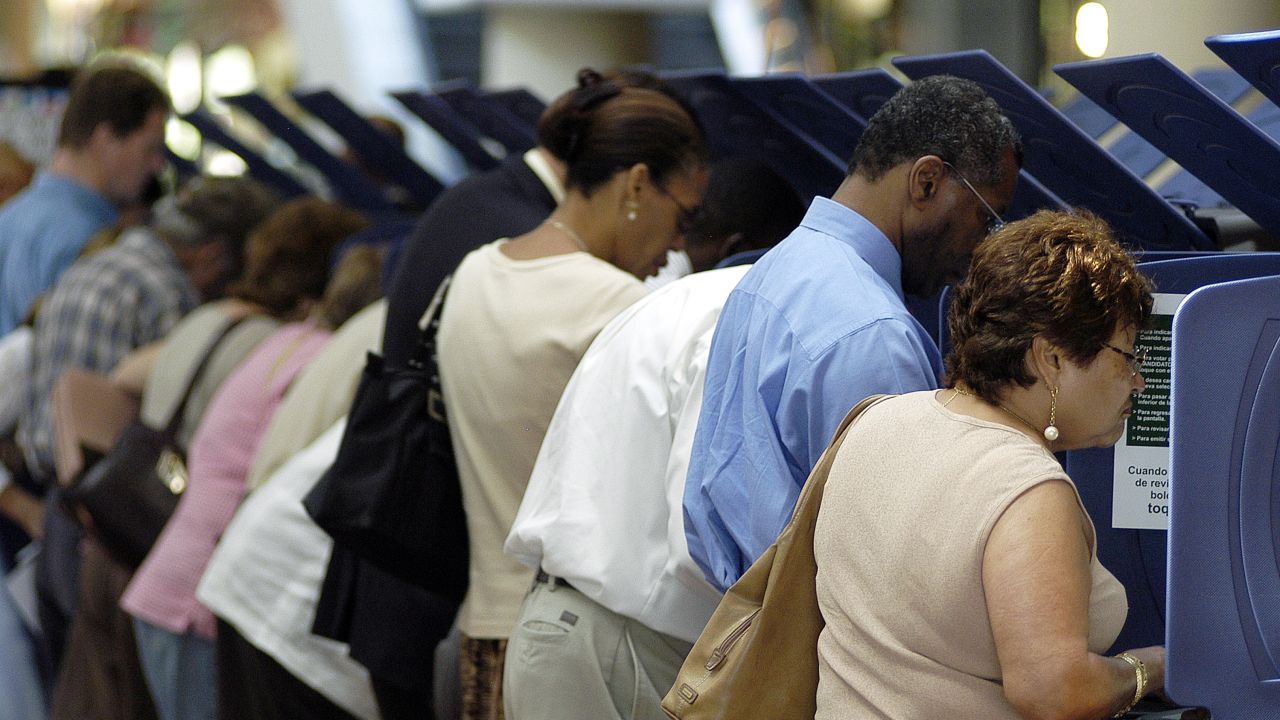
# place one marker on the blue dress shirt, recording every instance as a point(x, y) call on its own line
point(42, 230)
point(816, 325)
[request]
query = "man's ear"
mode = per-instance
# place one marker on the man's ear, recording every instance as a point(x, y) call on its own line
point(732, 244)
point(102, 136)
point(924, 178)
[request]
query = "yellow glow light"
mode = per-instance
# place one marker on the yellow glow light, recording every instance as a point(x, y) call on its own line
point(1092, 29)
point(183, 75)
point(182, 138)
point(230, 71)
point(222, 163)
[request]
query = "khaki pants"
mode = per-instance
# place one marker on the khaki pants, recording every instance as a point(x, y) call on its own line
point(570, 658)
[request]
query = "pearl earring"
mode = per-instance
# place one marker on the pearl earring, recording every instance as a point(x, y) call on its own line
point(1051, 432)
point(631, 210)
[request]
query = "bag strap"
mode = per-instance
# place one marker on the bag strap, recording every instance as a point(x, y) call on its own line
point(805, 506)
point(171, 427)
point(429, 325)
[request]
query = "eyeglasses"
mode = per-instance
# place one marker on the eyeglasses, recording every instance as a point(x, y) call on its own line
point(996, 222)
point(1135, 362)
point(689, 216)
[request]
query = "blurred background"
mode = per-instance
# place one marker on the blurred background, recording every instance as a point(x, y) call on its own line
point(364, 49)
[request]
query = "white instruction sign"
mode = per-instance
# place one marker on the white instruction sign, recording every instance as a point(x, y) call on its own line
point(1140, 476)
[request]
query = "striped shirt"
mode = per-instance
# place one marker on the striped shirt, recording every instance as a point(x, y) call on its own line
point(104, 306)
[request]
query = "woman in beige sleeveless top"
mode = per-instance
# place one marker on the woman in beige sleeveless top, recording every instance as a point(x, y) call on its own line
point(957, 570)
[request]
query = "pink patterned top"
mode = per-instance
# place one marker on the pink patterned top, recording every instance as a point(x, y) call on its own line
point(163, 591)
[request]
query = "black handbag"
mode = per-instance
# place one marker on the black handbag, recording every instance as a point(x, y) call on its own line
point(133, 489)
point(392, 496)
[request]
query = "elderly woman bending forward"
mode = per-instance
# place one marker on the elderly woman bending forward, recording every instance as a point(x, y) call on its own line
point(957, 571)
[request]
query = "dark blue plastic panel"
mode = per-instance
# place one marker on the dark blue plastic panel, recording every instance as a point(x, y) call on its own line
point(490, 118)
point(183, 167)
point(1256, 56)
point(861, 91)
point(1184, 186)
point(1186, 189)
point(459, 133)
point(1142, 157)
point(261, 170)
point(735, 126)
point(1069, 162)
point(1088, 116)
point(372, 144)
point(1183, 275)
point(1223, 644)
point(347, 182)
point(1202, 133)
point(1138, 557)
point(521, 103)
point(803, 104)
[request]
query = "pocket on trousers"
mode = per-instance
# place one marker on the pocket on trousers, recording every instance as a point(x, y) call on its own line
point(540, 640)
point(543, 630)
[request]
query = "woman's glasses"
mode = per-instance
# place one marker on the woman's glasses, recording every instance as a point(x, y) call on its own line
point(689, 216)
point(1135, 362)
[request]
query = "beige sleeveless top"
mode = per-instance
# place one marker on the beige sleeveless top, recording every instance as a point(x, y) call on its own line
point(909, 505)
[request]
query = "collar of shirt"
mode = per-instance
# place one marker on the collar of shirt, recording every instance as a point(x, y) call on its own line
point(86, 196)
point(145, 240)
point(871, 244)
point(540, 167)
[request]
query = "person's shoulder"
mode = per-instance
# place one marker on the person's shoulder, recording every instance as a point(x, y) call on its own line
point(599, 272)
point(497, 185)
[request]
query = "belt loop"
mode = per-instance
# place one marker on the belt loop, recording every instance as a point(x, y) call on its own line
point(551, 580)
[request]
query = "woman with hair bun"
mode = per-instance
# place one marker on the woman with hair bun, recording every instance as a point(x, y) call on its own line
point(520, 313)
point(957, 569)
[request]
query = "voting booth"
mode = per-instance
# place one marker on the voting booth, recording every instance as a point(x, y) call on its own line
point(373, 145)
point(1223, 640)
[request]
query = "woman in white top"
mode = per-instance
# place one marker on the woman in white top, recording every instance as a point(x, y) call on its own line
point(521, 312)
point(957, 570)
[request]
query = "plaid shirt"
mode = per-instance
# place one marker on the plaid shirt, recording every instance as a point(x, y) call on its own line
point(103, 307)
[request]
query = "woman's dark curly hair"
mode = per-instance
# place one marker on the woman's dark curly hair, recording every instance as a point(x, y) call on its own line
point(1057, 274)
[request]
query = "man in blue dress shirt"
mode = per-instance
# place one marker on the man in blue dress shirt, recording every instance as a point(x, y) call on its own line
point(819, 322)
point(110, 145)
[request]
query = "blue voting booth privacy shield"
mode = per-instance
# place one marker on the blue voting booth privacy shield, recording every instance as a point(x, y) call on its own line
point(1138, 557)
point(1185, 121)
point(522, 104)
point(1255, 55)
point(352, 188)
point(1223, 643)
point(259, 168)
point(377, 149)
point(736, 125)
point(492, 118)
point(460, 134)
point(800, 102)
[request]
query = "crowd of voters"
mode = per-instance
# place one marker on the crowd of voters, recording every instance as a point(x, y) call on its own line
point(629, 438)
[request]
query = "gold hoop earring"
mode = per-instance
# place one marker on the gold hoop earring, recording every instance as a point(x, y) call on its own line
point(1051, 432)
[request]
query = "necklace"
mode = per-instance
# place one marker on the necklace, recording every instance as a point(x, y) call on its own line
point(575, 237)
point(1021, 419)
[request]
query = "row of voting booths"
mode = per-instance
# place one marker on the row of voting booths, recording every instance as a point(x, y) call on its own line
point(1187, 505)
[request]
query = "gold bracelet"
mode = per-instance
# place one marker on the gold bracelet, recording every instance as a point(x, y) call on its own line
point(1140, 681)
